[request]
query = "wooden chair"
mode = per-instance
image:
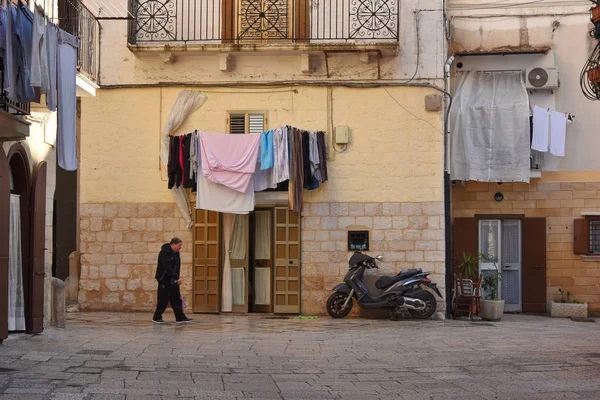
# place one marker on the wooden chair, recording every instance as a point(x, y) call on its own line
point(467, 297)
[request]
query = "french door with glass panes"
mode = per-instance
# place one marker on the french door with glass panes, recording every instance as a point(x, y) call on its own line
point(500, 247)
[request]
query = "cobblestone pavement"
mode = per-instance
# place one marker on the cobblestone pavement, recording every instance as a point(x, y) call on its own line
point(124, 356)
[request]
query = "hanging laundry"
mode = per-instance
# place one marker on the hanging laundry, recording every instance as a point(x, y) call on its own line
point(281, 161)
point(558, 131)
point(310, 183)
point(67, 101)
point(181, 160)
point(10, 61)
point(541, 119)
point(188, 182)
point(315, 163)
point(24, 37)
point(193, 159)
point(39, 52)
point(229, 160)
point(263, 178)
point(322, 155)
point(216, 197)
point(174, 167)
point(295, 191)
point(52, 51)
point(266, 150)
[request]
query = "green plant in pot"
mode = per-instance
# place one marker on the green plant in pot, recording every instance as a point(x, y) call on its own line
point(469, 266)
point(492, 308)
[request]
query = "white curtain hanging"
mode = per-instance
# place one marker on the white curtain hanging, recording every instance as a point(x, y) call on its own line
point(262, 242)
point(238, 277)
point(186, 103)
point(489, 128)
point(239, 240)
point(227, 296)
point(16, 298)
point(262, 286)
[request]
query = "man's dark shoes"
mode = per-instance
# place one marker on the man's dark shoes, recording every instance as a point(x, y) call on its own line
point(185, 320)
point(158, 321)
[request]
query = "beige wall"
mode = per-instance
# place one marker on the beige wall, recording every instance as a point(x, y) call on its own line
point(389, 181)
point(561, 26)
point(560, 198)
point(392, 156)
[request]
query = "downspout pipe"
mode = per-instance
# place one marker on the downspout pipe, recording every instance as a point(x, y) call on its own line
point(447, 191)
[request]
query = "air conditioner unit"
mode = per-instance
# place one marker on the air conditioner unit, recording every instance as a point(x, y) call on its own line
point(541, 78)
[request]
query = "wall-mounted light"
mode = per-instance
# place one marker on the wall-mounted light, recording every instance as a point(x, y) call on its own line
point(498, 196)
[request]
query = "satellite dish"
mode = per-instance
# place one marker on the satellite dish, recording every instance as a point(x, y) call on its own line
point(537, 77)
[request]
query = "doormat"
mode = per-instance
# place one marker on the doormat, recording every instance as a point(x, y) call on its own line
point(306, 317)
point(582, 319)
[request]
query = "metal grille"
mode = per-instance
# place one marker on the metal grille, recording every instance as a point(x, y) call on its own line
point(595, 236)
point(510, 286)
point(511, 243)
point(488, 239)
point(331, 21)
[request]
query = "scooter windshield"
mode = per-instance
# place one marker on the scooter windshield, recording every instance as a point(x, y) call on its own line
point(358, 258)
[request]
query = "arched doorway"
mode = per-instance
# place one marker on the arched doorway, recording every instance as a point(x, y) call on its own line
point(20, 185)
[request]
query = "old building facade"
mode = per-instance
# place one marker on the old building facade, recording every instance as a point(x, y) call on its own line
point(317, 66)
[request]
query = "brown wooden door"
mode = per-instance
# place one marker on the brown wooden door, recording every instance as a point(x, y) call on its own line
point(534, 265)
point(465, 239)
point(287, 261)
point(4, 236)
point(38, 248)
point(206, 272)
point(239, 256)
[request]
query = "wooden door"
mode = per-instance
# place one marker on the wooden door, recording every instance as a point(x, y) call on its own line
point(465, 239)
point(4, 236)
point(239, 256)
point(206, 272)
point(38, 248)
point(287, 261)
point(534, 265)
point(262, 267)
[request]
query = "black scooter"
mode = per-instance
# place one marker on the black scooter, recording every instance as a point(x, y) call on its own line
point(405, 290)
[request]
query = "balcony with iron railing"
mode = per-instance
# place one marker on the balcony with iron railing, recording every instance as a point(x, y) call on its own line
point(249, 24)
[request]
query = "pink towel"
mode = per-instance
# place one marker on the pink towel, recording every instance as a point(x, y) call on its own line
point(229, 160)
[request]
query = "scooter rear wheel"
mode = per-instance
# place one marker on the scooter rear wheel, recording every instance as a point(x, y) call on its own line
point(335, 305)
point(430, 304)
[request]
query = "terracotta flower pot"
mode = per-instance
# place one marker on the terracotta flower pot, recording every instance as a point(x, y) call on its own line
point(596, 14)
point(594, 73)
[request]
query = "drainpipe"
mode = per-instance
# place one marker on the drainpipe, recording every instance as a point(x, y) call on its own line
point(447, 192)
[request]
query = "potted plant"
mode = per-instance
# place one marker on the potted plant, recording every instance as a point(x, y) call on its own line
point(469, 266)
point(567, 308)
point(492, 308)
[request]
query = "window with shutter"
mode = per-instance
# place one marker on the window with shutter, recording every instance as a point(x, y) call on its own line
point(240, 123)
point(586, 235)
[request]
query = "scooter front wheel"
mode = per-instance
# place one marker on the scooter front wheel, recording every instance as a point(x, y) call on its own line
point(335, 305)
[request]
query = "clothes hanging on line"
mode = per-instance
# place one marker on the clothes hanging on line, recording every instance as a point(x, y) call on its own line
point(549, 131)
point(281, 161)
point(67, 102)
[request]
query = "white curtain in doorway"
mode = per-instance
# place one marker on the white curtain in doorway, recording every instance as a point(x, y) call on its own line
point(262, 237)
point(186, 103)
point(16, 298)
point(262, 286)
point(489, 128)
point(227, 296)
point(239, 240)
point(238, 276)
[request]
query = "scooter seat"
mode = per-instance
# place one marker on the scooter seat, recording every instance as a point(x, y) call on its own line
point(387, 281)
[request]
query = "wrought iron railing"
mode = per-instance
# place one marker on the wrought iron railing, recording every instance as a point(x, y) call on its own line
point(263, 21)
point(76, 19)
point(10, 106)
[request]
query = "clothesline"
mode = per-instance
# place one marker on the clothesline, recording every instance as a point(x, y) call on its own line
point(226, 170)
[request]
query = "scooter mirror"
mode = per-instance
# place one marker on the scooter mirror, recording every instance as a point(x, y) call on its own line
point(379, 258)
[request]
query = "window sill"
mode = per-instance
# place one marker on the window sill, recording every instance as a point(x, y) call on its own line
point(591, 258)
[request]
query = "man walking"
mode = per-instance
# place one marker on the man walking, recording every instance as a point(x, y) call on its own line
point(167, 275)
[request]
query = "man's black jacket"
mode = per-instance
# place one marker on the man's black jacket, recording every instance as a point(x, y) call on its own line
point(169, 264)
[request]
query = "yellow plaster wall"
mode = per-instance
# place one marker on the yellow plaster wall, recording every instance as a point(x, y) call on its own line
point(395, 152)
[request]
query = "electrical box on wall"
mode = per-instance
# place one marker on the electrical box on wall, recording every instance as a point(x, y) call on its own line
point(342, 135)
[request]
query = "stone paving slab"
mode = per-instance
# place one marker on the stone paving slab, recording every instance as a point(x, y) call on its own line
point(125, 356)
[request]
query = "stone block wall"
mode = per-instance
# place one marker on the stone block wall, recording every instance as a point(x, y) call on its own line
point(560, 203)
point(120, 243)
point(408, 235)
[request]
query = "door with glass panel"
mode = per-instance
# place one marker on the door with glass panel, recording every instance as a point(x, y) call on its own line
point(239, 256)
point(287, 261)
point(262, 268)
point(500, 247)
